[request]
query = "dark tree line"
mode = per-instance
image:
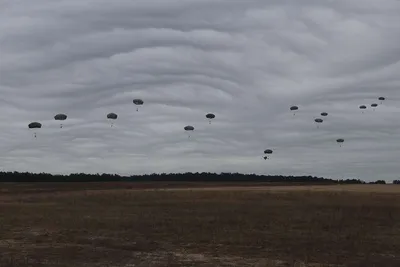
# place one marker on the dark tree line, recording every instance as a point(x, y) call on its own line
point(171, 177)
point(396, 181)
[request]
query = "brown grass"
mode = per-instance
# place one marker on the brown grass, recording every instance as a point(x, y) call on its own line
point(118, 225)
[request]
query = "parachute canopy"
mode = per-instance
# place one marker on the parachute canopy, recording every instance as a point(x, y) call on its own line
point(268, 151)
point(60, 117)
point(210, 116)
point(324, 114)
point(374, 105)
point(188, 128)
point(318, 120)
point(381, 98)
point(340, 140)
point(112, 116)
point(138, 101)
point(294, 108)
point(33, 125)
point(363, 107)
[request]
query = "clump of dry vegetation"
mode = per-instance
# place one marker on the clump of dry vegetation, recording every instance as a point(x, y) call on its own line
point(265, 228)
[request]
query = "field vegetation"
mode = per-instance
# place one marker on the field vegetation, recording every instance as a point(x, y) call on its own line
point(146, 224)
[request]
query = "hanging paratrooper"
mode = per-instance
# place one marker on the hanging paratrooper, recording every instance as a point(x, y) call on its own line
point(112, 116)
point(138, 102)
point(60, 117)
point(318, 121)
point(340, 141)
point(35, 125)
point(294, 109)
point(210, 116)
point(188, 129)
point(267, 153)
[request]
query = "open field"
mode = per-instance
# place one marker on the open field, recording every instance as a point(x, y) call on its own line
point(126, 224)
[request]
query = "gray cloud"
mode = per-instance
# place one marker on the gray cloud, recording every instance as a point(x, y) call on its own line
point(245, 61)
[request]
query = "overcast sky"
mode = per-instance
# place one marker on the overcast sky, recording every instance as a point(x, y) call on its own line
point(246, 61)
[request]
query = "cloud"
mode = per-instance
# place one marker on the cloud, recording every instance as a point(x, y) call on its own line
point(245, 61)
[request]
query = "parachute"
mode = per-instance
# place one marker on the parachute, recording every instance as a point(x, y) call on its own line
point(188, 129)
point(318, 121)
point(267, 152)
point(210, 116)
point(60, 117)
point(381, 99)
point(294, 109)
point(112, 116)
point(35, 125)
point(374, 105)
point(340, 141)
point(138, 102)
point(324, 114)
point(362, 107)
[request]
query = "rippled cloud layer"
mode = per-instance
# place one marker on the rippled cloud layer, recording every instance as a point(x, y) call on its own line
point(245, 61)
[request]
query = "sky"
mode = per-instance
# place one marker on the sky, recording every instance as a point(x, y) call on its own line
point(246, 61)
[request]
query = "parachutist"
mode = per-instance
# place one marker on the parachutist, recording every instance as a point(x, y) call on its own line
point(137, 102)
point(210, 116)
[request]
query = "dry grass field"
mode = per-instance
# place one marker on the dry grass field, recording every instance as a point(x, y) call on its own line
point(125, 224)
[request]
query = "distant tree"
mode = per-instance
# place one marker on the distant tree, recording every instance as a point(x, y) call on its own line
point(378, 182)
point(396, 181)
point(350, 181)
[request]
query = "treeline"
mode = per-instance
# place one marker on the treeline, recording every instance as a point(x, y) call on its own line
point(171, 177)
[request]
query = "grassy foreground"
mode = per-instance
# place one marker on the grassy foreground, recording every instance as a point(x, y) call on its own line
point(64, 225)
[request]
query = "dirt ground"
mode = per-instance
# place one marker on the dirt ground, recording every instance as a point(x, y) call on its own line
point(125, 224)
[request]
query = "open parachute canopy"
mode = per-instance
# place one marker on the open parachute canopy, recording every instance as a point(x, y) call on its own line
point(60, 117)
point(381, 98)
point(35, 125)
point(188, 128)
point(138, 101)
point(318, 120)
point(294, 108)
point(268, 151)
point(324, 114)
point(363, 107)
point(112, 116)
point(374, 105)
point(210, 116)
